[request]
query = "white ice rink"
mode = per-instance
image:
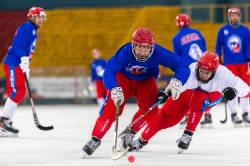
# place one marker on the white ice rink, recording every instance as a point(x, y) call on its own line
point(222, 146)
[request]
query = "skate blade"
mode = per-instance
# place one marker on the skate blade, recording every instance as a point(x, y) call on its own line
point(246, 124)
point(238, 125)
point(207, 126)
point(4, 133)
point(180, 151)
point(84, 155)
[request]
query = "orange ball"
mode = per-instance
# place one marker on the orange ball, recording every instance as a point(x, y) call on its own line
point(131, 158)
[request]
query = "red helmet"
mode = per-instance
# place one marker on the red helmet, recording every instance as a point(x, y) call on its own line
point(182, 20)
point(34, 11)
point(231, 11)
point(143, 44)
point(209, 61)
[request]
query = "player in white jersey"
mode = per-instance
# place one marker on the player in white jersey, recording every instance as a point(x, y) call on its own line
point(207, 85)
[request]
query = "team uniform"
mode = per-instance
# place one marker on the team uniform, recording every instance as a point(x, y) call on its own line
point(129, 74)
point(190, 45)
point(97, 70)
point(15, 64)
point(234, 43)
point(196, 97)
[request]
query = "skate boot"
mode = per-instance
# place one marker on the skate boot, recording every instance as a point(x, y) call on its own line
point(6, 128)
point(127, 140)
point(236, 120)
point(91, 146)
point(246, 119)
point(138, 144)
point(207, 123)
point(184, 122)
point(184, 141)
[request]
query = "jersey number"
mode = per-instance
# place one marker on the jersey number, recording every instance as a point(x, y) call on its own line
point(195, 51)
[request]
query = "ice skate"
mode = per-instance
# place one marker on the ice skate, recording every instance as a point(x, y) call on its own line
point(138, 144)
point(184, 122)
point(6, 128)
point(91, 146)
point(207, 123)
point(246, 119)
point(184, 141)
point(236, 120)
point(127, 140)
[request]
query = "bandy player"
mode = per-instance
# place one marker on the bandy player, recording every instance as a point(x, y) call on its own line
point(132, 72)
point(16, 63)
point(233, 42)
point(97, 69)
point(206, 86)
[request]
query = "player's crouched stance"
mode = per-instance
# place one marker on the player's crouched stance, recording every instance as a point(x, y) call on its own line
point(207, 84)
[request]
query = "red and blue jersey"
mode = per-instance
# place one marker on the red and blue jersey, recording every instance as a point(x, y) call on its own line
point(123, 61)
point(234, 44)
point(23, 44)
point(189, 44)
point(97, 69)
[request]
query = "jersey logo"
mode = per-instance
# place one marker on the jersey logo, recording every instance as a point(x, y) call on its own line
point(136, 70)
point(234, 43)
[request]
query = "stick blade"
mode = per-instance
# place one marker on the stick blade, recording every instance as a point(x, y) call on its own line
point(115, 155)
point(45, 128)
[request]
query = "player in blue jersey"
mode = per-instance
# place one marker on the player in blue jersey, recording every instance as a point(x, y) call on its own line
point(16, 63)
point(132, 72)
point(233, 42)
point(190, 44)
point(97, 70)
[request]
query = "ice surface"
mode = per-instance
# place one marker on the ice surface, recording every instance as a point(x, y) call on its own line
point(223, 145)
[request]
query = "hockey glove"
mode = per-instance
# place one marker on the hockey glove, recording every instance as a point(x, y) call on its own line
point(174, 88)
point(229, 93)
point(24, 65)
point(162, 96)
point(117, 95)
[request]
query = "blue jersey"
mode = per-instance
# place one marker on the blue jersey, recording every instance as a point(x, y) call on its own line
point(189, 44)
point(22, 45)
point(124, 62)
point(234, 42)
point(97, 69)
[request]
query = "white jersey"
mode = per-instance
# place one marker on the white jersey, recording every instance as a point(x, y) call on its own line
point(223, 78)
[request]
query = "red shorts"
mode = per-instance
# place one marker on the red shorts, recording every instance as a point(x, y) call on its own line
point(15, 83)
point(145, 92)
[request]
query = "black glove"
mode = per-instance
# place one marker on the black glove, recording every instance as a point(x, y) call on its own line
point(162, 95)
point(229, 93)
